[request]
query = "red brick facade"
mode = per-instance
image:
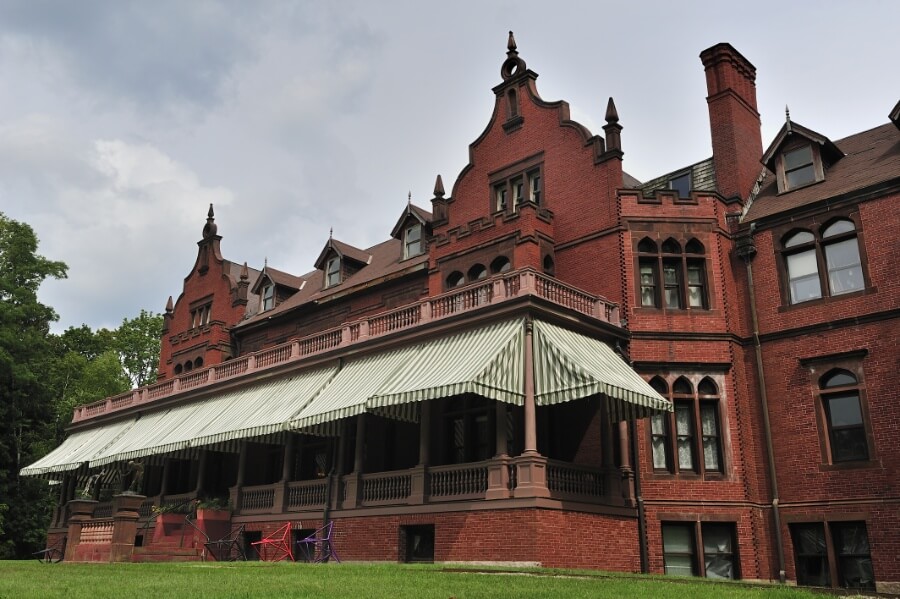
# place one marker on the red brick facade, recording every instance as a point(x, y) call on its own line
point(703, 283)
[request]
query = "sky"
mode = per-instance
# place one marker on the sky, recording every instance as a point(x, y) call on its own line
point(121, 121)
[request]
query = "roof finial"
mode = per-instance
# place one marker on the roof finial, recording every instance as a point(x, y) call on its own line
point(210, 228)
point(169, 306)
point(245, 272)
point(612, 115)
point(439, 187)
point(265, 262)
point(511, 43)
point(409, 198)
point(330, 233)
point(787, 113)
point(513, 65)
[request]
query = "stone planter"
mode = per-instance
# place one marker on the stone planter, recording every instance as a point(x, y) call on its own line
point(215, 523)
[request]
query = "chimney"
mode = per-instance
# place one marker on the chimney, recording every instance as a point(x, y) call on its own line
point(733, 119)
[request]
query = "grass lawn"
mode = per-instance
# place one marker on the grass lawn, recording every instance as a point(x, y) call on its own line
point(30, 579)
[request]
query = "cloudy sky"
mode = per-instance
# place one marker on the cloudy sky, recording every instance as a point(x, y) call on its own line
point(121, 121)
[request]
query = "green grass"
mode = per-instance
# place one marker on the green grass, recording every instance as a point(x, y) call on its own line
point(25, 580)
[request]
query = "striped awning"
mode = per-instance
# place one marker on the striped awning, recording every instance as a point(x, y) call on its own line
point(346, 394)
point(251, 412)
point(486, 361)
point(78, 449)
point(569, 366)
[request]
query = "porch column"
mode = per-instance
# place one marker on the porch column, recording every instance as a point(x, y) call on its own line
point(126, 511)
point(625, 466)
point(201, 472)
point(354, 478)
point(235, 491)
point(417, 483)
point(287, 469)
point(164, 483)
point(531, 467)
point(498, 471)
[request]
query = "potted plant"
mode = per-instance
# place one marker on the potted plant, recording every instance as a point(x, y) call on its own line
point(169, 519)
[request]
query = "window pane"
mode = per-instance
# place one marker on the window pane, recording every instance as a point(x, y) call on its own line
point(843, 410)
point(801, 176)
point(683, 418)
point(839, 379)
point(799, 238)
point(680, 565)
point(803, 273)
point(678, 549)
point(658, 424)
point(849, 444)
point(710, 425)
point(718, 550)
point(844, 269)
point(838, 227)
point(811, 554)
point(685, 433)
point(854, 561)
point(682, 185)
point(659, 453)
point(797, 158)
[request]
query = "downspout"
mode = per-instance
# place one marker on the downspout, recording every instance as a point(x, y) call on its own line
point(642, 516)
point(746, 251)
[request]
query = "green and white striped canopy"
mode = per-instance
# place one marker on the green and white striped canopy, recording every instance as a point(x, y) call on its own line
point(80, 447)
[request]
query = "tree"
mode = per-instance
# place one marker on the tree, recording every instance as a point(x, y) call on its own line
point(138, 343)
point(25, 399)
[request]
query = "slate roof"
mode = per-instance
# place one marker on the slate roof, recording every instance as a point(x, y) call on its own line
point(703, 178)
point(871, 157)
point(385, 261)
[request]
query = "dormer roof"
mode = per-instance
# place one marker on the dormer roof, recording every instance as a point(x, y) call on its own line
point(411, 212)
point(895, 115)
point(790, 131)
point(345, 251)
point(278, 278)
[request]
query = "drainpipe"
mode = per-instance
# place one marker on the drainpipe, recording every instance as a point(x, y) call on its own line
point(642, 516)
point(746, 251)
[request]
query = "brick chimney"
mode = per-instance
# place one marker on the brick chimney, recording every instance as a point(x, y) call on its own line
point(733, 119)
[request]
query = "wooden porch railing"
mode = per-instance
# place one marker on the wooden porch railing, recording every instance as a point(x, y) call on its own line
point(494, 290)
point(571, 481)
point(306, 494)
point(460, 481)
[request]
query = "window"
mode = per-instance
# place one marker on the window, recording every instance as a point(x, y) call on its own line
point(333, 271)
point(455, 279)
point(848, 551)
point(268, 297)
point(412, 241)
point(681, 184)
point(477, 272)
point(500, 264)
point(683, 283)
point(516, 186)
point(839, 392)
point(699, 549)
point(200, 316)
point(826, 264)
point(799, 168)
point(690, 440)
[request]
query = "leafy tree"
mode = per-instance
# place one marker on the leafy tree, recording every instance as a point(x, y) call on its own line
point(25, 398)
point(138, 343)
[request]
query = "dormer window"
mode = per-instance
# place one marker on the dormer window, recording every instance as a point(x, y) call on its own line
point(268, 297)
point(412, 240)
point(799, 167)
point(333, 271)
point(681, 184)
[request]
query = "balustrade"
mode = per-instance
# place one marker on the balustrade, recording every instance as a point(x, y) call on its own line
point(567, 479)
point(463, 481)
point(385, 487)
point(489, 291)
point(255, 499)
point(306, 493)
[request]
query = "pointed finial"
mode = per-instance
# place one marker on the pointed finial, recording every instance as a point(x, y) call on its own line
point(787, 113)
point(210, 228)
point(511, 43)
point(245, 272)
point(439, 187)
point(513, 65)
point(409, 198)
point(330, 233)
point(265, 262)
point(612, 115)
point(170, 307)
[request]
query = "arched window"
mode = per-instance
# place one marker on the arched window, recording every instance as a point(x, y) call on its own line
point(188, 366)
point(840, 394)
point(676, 446)
point(500, 264)
point(825, 265)
point(683, 281)
point(477, 272)
point(198, 363)
point(455, 279)
point(178, 369)
point(549, 266)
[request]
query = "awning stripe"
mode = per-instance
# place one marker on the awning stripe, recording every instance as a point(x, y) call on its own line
point(486, 361)
point(570, 366)
point(346, 393)
point(251, 412)
point(80, 447)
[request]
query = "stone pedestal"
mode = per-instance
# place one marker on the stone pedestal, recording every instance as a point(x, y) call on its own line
point(531, 476)
point(498, 478)
point(352, 487)
point(126, 511)
point(80, 511)
point(417, 485)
